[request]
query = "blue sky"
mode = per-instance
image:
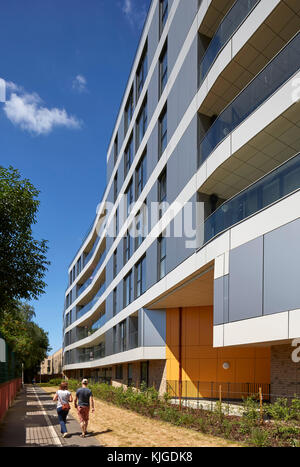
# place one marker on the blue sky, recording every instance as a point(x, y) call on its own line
point(66, 64)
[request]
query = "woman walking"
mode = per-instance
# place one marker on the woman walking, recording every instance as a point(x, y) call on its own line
point(63, 397)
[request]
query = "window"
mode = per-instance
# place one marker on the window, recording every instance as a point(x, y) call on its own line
point(115, 302)
point(145, 373)
point(140, 277)
point(162, 256)
point(163, 69)
point(127, 247)
point(129, 109)
point(115, 264)
point(123, 342)
point(79, 266)
point(116, 187)
point(115, 341)
point(119, 372)
point(162, 132)
point(141, 176)
point(162, 192)
point(128, 289)
point(116, 149)
point(129, 197)
point(129, 374)
point(140, 226)
point(141, 125)
point(141, 73)
point(116, 223)
point(163, 14)
point(128, 158)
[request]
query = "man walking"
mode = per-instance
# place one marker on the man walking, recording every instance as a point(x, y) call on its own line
point(83, 401)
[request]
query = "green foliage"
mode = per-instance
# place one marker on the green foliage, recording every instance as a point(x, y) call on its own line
point(259, 437)
point(282, 410)
point(29, 342)
point(22, 258)
point(295, 408)
point(250, 411)
point(218, 410)
point(279, 410)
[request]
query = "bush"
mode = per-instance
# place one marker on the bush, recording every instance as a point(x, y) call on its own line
point(259, 437)
point(281, 410)
point(295, 408)
point(250, 412)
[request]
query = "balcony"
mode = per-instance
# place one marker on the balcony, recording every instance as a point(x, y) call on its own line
point(88, 282)
point(91, 354)
point(232, 21)
point(83, 333)
point(86, 308)
point(133, 340)
point(279, 183)
point(279, 70)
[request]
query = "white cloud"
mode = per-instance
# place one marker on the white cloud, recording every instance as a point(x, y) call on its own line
point(135, 12)
point(79, 84)
point(28, 112)
point(127, 7)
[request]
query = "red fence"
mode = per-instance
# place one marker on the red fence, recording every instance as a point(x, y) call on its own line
point(8, 393)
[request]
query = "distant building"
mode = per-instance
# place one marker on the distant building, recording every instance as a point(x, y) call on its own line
point(51, 367)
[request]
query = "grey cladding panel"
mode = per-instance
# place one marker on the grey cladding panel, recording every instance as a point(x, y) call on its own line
point(282, 269)
point(154, 328)
point(245, 281)
point(221, 289)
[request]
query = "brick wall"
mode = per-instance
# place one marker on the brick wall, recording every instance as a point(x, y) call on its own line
point(158, 375)
point(285, 374)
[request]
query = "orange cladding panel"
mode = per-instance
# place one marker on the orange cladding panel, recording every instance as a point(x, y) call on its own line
point(200, 361)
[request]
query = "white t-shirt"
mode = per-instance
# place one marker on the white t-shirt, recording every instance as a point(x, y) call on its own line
point(63, 397)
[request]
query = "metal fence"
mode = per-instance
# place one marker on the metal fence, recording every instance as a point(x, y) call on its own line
point(10, 368)
point(198, 390)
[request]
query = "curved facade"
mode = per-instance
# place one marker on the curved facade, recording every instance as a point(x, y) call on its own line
point(189, 272)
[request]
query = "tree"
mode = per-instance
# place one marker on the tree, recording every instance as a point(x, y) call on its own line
point(29, 342)
point(23, 260)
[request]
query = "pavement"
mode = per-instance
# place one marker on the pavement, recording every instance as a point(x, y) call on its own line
point(32, 421)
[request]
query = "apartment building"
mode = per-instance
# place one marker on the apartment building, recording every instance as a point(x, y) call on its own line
point(189, 276)
point(51, 366)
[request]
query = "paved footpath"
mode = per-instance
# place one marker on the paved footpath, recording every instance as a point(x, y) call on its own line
point(32, 421)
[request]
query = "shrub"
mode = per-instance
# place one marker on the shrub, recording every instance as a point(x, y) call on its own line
point(259, 437)
point(280, 410)
point(295, 408)
point(250, 412)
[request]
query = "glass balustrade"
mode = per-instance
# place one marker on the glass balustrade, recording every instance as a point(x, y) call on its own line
point(274, 75)
point(94, 353)
point(268, 190)
point(133, 340)
point(92, 277)
point(90, 254)
point(86, 308)
point(232, 21)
